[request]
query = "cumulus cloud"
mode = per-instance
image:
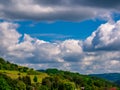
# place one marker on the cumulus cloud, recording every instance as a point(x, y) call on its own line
point(106, 37)
point(97, 54)
point(8, 36)
point(52, 10)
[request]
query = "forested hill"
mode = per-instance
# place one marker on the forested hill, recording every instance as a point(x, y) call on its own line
point(89, 82)
point(114, 77)
point(15, 77)
point(6, 65)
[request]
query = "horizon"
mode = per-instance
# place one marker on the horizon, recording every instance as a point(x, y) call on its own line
point(79, 36)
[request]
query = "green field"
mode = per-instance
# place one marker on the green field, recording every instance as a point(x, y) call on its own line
point(16, 74)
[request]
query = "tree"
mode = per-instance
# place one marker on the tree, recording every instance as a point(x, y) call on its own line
point(27, 80)
point(0, 66)
point(43, 87)
point(2, 61)
point(46, 81)
point(35, 78)
point(65, 85)
point(21, 85)
point(25, 69)
point(3, 84)
point(78, 80)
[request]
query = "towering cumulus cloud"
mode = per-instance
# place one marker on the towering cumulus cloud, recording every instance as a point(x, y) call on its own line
point(106, 37)
point(98, 53)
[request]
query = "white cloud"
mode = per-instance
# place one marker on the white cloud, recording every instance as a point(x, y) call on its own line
point(97, 54)
point(8, 36)
point(71, 46)
point(106, 37)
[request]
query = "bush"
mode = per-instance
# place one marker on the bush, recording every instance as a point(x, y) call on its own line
point(3, 84)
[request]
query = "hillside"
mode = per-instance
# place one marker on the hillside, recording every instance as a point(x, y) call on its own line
point(89, 82)
point(15, 77)
point(14, 71)
point(114, 77)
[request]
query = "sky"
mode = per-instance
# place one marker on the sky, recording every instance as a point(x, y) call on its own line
point(76, 35)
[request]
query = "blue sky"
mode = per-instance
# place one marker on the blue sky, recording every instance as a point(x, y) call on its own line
point(59, 30)
point(76, 35)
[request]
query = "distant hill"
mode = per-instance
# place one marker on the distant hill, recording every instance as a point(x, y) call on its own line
point(114, 77)
point(15, 77)
point(89, 82)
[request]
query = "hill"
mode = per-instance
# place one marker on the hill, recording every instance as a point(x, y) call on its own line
point(13, 74)
point(15, 77)
point(114, 77)
point(86, 81)
point(14, 71)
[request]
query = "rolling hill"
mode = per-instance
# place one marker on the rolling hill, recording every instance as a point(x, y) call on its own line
point(15, 77)
point(113, 77)
point(14, 71)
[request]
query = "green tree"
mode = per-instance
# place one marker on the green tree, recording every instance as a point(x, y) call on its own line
point(25, 69)
point(35, 79)
point(21, 85)
point(0, 66)
point(27, 80)
point(65, 85)
point(3, 84)
point(2, 61)
point(46, 81)
point(43, 87)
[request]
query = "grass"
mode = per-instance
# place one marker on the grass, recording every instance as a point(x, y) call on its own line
point(16, 74)
point(40, 77)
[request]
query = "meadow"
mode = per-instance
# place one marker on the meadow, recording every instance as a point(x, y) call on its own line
point(16, 74)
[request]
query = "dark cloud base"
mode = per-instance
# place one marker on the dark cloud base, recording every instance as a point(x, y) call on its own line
point(52, 10)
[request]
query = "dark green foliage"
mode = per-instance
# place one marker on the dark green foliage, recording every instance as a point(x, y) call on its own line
point(52, 71)
point(2, 61)
point(47, 82)
point(5, 65)
point(43, 87)
point(10, 84)
point(6, 83)
point(66, 86)
point(35, 79)
point(25, 69)
point(3, 84)
point(78, 80)
point(21, 85)
point(27, 80)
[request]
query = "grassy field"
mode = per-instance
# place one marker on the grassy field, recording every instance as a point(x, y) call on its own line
point(16, 74)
